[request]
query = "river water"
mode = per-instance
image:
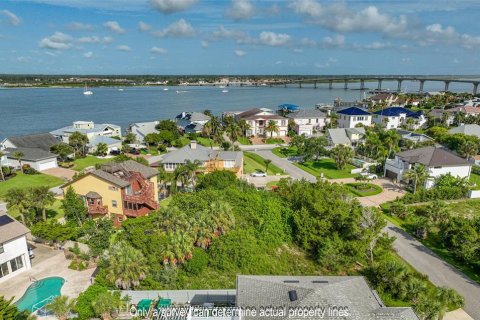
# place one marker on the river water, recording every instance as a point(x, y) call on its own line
point(35, 110)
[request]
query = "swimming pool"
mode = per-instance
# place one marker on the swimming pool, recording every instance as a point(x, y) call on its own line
point(37, 293)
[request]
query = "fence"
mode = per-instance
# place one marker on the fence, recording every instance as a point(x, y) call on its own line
point(193, 297)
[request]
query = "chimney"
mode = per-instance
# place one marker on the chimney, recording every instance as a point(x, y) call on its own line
point(193, 144)
point(292, 294)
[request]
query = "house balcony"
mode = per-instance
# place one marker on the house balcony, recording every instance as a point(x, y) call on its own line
point(97, 209)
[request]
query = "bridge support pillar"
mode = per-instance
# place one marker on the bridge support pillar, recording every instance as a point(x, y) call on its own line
point(330, 84)
point(422, 82)
point(379, 84)
point(284, 84)
point(362, 84)
point(447, 84)
point(345, 86)
point(315, 84)
point(399, 86)
point(475, 87)
point(299, 84)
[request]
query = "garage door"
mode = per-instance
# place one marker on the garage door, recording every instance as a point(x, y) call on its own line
point(47, 165)
point(391, 174)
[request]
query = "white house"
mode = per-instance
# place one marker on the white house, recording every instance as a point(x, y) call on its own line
point(35, 149)
point(88, 128)
point(394, 117)
point(141, 129)
point(14, 257)
point(308, 122)
point(258, 119)
point(437, 161)
point(352, 117)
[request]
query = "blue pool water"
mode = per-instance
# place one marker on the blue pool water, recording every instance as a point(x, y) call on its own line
point(39, 291)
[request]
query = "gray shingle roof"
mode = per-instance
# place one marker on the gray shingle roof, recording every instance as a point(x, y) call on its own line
point(100, 127)
point(200, 153)
point(42, 141)
point(306, 114)
point(316, 292)
point(10, 228)
point(30, 154)
point(432, 157)
point(468, 129)
point(110, 178)
point(94, 141)
point(131, 166)
point(338, 136)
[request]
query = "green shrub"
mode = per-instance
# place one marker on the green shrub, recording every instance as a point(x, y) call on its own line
point(84, 301)
point(198, 262)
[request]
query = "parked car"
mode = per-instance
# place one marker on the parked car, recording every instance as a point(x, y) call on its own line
point(258, 174)
point(369, 175)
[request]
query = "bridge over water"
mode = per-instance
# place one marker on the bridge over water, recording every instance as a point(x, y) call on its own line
point(474, 80)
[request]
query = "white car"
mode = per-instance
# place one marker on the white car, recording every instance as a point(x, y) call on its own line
point(258, 174)
point(369, 175)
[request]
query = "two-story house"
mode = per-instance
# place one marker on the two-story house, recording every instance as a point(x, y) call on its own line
point(394, 117)
point(118, 190)
point(353, 117)
point(308, 122)
point(348, 137)
point(14, 257)
point(210, 160)
point(96, 133)
point(437, 161)
point(258, 119)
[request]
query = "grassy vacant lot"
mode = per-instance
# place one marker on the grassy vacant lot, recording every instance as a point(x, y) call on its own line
point(28, 180)
point(361, 189)
point(53, 211)
point(253, 162)
point(285, 152)
point(328, 168)
point(88, 161)
point(475, 178)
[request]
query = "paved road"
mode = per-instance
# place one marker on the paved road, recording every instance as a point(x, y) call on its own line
point(286, 165)
point(438, 271)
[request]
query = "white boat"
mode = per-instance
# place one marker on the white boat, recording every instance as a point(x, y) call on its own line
point(224, 90)
point(165, 89)
point(120, 89)
point(222, 86)
point(86, 91)
point(181, 91)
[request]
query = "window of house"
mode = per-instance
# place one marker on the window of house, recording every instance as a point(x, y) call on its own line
point(229, 163)
point(128, 190)
point(316, 120)
point(283, 122)
point(4, 269)
point(112, 188)
point(360, 118)
point(114, 203)
point(16, 263)
point(1, 248)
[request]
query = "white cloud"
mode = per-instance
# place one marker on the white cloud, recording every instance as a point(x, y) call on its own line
point(376, 45)
point(204, 44)
point(437, 34)
point(178, 29)
point(326, 64)
point(239, 53)
point(57, 41)
point(107, 40)
point(88, 55)
point(51, 54)
point(334, 41)
point(158, 50)
point(241, 10)
point(114, 27)
point(274, 39)
point(91, 39)
point(79, 26)
point(13, 19)
point(170, 6)
point(224, 33)
point(298, 50)
point(142, 26)
point(455, 60)
point(405, 60)
point(339, 18)
point(23, 59)
point(124, 47)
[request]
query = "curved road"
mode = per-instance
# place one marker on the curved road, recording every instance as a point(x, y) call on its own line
point(415, 253)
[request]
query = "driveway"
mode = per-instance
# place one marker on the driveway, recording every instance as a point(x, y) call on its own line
point(262, 181)
point(294, 171)
point(62, 173)
point(439, 272)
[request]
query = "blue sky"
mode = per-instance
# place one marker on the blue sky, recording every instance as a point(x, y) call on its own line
point(239, 37)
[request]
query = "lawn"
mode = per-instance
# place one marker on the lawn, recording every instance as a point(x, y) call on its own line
point(25, 181)
point(181, 142)
point(475, 179)
point(53, 211)
point(274, 140)
point(328, 168)
point(362, 189)
point(244, 140)
point(285, 152)
point(206, 142)
point(151, 150)
point(88, 161)
point(253, 162)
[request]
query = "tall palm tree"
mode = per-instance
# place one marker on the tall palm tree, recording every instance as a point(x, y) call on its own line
point(16, 198)
point(61, 306)
point(19, 155)
point(418, 175)
point(41, 198)
point(244, 126)
point(272, 127)
point(267, 163)
point(468, 149)
point(126, 266)
point(9, 311)
point(1, 167)
point(191, 170)
point(104, 304)
point(342, 155)
point(233, 131)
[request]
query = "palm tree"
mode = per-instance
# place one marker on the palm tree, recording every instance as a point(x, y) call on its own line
point(342, 155)
point(19, 155)
point(468, 149)
point(233, 131)
point(267, 163)
point(272, 127)
point(126, 266)
point(104, 304)
point(16, 198)
point(418, 175)
point(244, 126)
point(41, 198)
point(61, 306)
point(1, 167)
point(78, 141)
point(191, 169)
point(9, 311)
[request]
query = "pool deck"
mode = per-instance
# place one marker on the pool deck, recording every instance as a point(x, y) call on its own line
point(54, 266)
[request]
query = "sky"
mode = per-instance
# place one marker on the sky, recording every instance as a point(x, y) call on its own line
point(225, 37)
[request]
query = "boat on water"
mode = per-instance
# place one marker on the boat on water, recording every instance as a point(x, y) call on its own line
point(181, 91)
point(165, 89)
point(222, 86)
point(120, 89)
point(224, 90)
point(86, 91)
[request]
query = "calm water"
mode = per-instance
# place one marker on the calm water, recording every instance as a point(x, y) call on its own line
point(25, 111)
